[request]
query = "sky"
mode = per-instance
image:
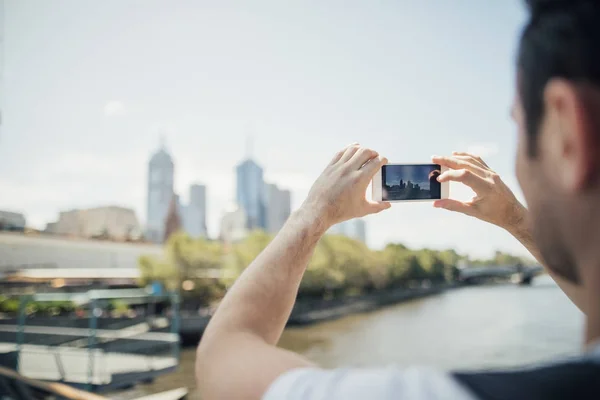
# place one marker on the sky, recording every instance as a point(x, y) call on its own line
point(89, 87)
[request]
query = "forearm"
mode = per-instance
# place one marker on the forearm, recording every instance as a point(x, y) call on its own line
point(521, 230)
point(261, 300)
point(237, 357)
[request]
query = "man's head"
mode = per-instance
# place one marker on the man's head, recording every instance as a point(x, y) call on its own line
point(557, 109)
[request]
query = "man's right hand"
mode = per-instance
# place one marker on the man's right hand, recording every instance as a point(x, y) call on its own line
point(494, 202)
point(339, 194)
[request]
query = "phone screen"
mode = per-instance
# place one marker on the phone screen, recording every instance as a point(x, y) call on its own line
point(411, 182)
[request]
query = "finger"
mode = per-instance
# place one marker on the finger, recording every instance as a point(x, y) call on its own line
point(476, 157)
point(349, 152)
point(456, 163)
point(474, 161)
point(361, 157)
point(338, 156)
point(370, 169)
point(455, 206)
point(475, 182)
point(374, 207)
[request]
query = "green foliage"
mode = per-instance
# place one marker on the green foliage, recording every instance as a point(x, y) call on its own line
point(197, 260)
point(153, 269)
point(340, 266)
point(119, 306)
point(247, 250)
point(10, 305)
point(500, 258)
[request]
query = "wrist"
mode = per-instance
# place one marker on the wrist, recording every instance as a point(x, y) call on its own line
point(516, 224)
point(311, 220)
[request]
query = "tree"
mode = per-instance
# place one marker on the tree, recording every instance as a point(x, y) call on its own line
point(400, 263)
point(155, 269)
point(340, 266)
point(245, 251)
point(500, 258)
point(200, 262)
point(322, 278)
point(450, 258)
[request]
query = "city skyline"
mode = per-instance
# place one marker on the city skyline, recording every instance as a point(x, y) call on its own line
point(417, 174)
point(266, 206)
point(208, 78)
point(161, 194)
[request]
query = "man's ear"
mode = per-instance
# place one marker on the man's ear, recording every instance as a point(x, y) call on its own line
point(570, 134)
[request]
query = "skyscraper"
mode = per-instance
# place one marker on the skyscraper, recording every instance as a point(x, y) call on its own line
point(251, 193)
point(194, 214)
point(160, 193)
point(233, 224)
point(354, 229)
point(278, 207)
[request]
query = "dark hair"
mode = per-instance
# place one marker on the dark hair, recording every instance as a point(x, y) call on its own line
point(561, 40)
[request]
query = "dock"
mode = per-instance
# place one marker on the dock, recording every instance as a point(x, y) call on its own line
point(93, 353)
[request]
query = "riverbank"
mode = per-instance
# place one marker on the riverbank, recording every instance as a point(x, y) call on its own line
point(308, 312)
point(313, 311)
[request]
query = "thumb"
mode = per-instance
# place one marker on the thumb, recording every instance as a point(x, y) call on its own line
point(374, 207)
point(454, 205)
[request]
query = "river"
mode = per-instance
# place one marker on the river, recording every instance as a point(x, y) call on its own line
point(485, 326)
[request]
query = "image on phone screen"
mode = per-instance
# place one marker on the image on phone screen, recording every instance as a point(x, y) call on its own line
point(411, 182)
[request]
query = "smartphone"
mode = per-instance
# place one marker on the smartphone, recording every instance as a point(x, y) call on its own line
point(410, 183)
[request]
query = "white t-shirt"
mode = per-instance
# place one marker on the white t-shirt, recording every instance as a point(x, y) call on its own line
point(378, 383)
point(375, 383)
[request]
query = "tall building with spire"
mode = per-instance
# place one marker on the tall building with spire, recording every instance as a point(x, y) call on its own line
point(251, 193)
point(160, 193)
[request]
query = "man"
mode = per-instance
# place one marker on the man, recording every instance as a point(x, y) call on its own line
point(557, 111)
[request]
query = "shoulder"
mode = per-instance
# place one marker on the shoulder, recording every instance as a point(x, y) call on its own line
point(377, 383)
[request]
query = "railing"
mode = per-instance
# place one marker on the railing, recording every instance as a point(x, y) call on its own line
point(93, 356)
point(15, 386)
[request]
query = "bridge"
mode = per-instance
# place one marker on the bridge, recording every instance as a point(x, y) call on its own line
point(520, 274)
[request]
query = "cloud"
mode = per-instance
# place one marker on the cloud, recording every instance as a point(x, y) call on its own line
point(483, 149)
point(114, 108)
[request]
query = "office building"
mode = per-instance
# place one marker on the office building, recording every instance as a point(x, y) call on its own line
point(233, 224)
point(194, 213)
point(12, 221)
point(354, 229)
point(160, 193)
point(278, 207)
point(110, 222)
point(251, 193)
